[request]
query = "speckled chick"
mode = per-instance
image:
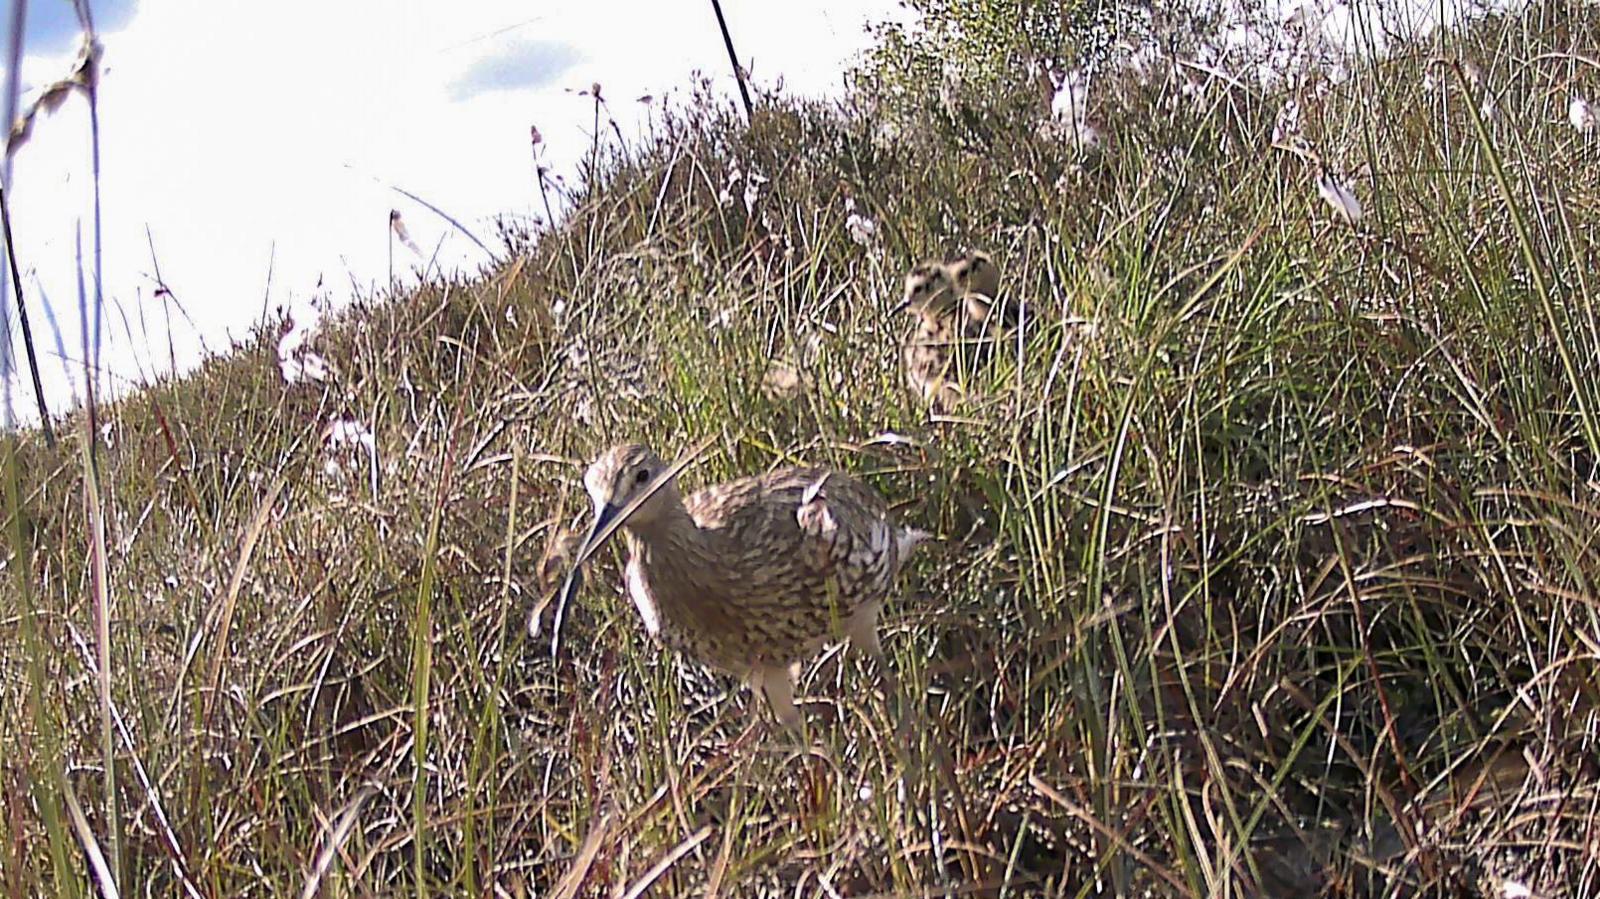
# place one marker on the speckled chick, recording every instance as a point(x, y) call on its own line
point(956, 322)
point(753, 576)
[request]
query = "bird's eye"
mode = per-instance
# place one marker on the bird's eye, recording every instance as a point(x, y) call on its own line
point(642, 476)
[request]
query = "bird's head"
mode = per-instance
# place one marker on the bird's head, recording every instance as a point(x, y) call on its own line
point(975, 272)
point(629, 486)
point(928, 291)
point(620, 476)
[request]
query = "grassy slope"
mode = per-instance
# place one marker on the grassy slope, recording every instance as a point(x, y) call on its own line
point(1306, 505)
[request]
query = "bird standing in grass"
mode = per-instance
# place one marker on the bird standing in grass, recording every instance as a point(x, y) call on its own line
point(958, 319)
point(752, 576)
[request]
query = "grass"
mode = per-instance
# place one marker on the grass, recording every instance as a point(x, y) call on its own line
point(1268, 553)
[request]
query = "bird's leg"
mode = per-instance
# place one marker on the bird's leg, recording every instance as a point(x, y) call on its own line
point(776, 683)
point(862, 630)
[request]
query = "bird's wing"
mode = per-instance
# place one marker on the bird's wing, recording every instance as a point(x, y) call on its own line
point(784, 527)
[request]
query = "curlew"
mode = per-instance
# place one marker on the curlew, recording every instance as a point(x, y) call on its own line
point(751, 576)
point(958, 319)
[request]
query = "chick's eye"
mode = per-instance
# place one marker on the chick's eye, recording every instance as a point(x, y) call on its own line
point(642, 476)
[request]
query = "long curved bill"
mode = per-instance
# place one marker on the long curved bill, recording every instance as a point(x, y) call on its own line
point(607, 520)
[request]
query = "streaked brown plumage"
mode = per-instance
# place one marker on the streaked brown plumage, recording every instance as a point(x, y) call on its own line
point(957, 321)
point(754, 575)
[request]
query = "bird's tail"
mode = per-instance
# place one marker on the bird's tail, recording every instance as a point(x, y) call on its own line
point(907, 539)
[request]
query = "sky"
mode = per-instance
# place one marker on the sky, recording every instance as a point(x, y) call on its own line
point(252, 152)
point(256, 147)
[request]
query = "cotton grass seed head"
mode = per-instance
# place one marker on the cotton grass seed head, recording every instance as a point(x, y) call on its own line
point(1339, 195)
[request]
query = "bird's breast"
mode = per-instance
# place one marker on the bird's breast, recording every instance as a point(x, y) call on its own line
point(643, 598)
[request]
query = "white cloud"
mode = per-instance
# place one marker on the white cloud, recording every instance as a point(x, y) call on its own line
point(521, 64)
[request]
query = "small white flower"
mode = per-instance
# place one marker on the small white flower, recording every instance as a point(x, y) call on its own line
point(862, 229)
point(1511, 889)
point(295, 334)
point(558, 309)
point(1581, 114)
point(347, 437)
point(752, 191)
point(1341, 198)
point(725, 196)
point(295, 361)
point(1069, 110)
point(347, 432)
point(1070, 102)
